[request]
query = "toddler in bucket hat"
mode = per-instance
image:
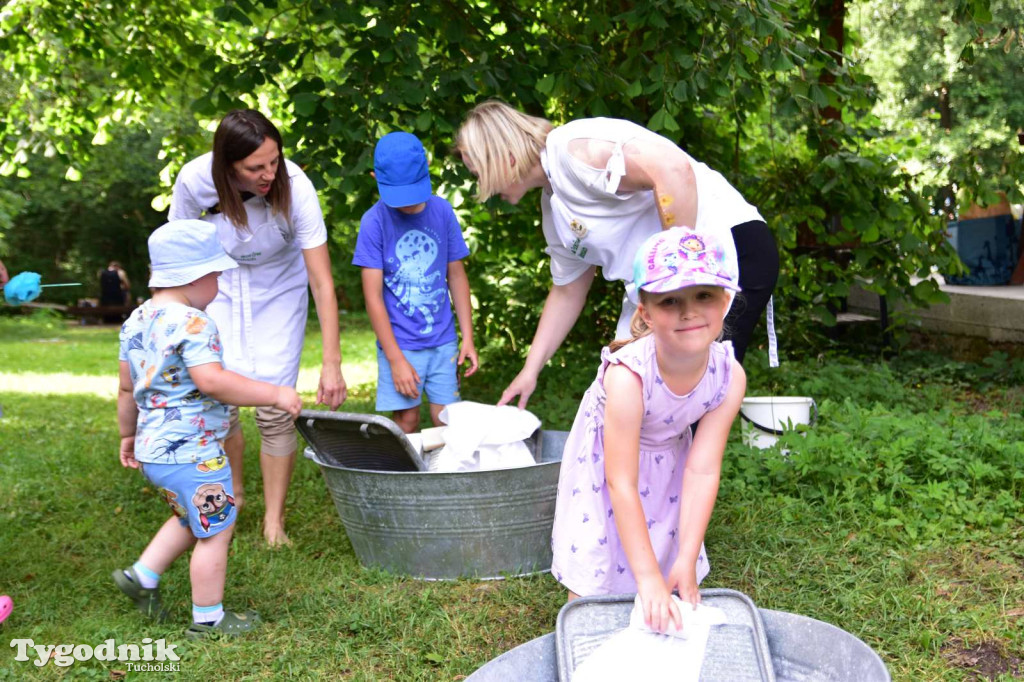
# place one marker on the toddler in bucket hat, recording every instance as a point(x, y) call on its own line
point(682, 257)
point(183, 251)
point(400, 167)
point(173, 417)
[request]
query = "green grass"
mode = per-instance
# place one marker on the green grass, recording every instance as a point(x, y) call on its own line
point(897, 518)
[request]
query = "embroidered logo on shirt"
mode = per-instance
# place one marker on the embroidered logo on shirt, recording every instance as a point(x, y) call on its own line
point(576, 247)
point(578, 228)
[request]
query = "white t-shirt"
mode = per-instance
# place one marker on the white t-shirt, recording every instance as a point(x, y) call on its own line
point(587, 222)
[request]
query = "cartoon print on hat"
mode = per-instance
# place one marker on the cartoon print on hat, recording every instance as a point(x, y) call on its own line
point(681, 257)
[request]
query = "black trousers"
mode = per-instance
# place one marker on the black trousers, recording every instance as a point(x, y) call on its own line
point(759, 271)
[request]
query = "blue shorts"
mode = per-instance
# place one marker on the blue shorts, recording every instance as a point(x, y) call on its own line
point(200, 494)
point(439, 377)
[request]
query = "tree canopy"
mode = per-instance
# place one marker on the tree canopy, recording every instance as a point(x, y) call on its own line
point(758, 89)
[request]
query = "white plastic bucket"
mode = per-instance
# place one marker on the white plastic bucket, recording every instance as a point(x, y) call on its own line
point(766, 418)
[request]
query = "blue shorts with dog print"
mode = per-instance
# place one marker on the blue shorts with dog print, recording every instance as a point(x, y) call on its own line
point(200, 494)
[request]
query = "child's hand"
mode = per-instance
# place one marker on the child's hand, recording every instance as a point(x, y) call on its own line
point(128, 453)
point(660, 612)
point(288, 400)
point(468, 352)
point(405, 378)
point(683, 578)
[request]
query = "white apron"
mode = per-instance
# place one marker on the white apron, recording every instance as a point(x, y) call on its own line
point(261, 307)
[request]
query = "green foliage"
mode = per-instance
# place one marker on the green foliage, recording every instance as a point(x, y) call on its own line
point(744, 85)
point(898, 439)
point(975, 61)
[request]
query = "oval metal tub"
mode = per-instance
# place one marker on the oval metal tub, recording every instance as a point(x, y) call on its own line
point(443, 526)
point(802, 649)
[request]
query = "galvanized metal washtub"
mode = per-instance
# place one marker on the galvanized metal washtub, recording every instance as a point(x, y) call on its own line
point(443, 526)
point(802, 649)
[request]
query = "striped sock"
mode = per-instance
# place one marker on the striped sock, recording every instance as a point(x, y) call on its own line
point(208, 615)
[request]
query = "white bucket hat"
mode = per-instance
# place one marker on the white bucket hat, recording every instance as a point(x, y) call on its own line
point(183, 251)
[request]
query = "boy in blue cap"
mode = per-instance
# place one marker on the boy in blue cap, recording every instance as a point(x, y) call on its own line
point(410, 247)
point(173, 419)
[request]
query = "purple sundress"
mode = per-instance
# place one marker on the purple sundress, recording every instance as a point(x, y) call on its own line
point(587, 555)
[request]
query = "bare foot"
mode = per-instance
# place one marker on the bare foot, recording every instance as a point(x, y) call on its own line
point(275, 536)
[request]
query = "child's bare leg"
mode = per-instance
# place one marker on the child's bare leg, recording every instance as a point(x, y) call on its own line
point(169, 543)
point(208, 568)
point(408, 419)
point(435, 414)
point(234, 448)
point(572, 596)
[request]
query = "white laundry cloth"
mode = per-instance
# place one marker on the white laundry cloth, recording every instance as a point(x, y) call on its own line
point(640, 653)
point(479, 437)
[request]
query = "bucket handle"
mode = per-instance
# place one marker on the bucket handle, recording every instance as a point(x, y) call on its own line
point(776, 432)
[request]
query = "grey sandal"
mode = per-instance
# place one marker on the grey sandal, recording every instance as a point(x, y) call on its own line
point(146, 600)
point(233, 623)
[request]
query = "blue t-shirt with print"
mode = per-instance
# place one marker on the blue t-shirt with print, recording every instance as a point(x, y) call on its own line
point(413, 251)
point(177, 423)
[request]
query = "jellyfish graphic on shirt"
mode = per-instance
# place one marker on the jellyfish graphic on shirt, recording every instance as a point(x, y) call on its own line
point(416, 290)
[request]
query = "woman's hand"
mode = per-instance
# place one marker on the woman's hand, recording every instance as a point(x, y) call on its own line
point(127, 453)
point(683, 578)
point(332, 390)
point(659, 610)
point(523, 386)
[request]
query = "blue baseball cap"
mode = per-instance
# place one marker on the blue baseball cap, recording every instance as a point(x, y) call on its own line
point(182, 251)
point(400, 164)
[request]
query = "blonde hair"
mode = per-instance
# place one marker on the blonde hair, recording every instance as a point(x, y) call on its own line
point(501, 143)
point(638, 327)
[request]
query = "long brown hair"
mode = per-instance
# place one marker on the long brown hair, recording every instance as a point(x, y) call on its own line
point(240, 133)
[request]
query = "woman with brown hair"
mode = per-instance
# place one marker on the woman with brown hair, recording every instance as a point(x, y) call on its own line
point(269, 220)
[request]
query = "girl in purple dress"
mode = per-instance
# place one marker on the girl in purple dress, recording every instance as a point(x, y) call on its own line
point(636, 489)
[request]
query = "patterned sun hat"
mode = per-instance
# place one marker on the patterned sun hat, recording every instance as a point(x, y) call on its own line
point(682, 257)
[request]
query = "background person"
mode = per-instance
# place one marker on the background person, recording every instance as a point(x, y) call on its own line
point(268, 219)
point(636, 488)
point(410, 248)
point(115, 290)
point(608, 184)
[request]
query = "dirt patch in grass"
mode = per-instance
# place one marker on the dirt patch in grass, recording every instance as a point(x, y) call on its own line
point(985, 660)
